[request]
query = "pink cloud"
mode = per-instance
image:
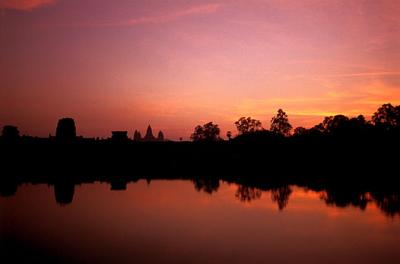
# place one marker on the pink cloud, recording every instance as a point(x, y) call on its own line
point(25, 5)
point(158, 19)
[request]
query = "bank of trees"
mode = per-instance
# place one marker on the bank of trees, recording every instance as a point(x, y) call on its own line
point(385, 120)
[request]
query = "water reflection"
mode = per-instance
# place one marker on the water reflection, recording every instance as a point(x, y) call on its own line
point(388, 203)
point(64, 192)
point(247, 194)
point(386, 199)
point(198, 221)
point(207, 185)
point(281, 196)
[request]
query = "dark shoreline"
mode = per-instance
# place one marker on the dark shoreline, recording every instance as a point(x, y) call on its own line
point(350, 172)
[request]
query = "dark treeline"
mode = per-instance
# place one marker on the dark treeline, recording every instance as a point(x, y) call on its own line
point(384, 122)
point(352, 159)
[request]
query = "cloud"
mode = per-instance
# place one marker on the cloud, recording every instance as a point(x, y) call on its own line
point(24, 5)
point(363, 74)
point(159, 19)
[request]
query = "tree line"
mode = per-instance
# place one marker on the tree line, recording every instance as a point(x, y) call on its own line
point(386, 119)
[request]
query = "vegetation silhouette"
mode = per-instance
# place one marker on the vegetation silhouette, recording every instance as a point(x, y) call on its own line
point(247, 125)
point(280, 123)
point(387, 116)
point(229, 135)
point(207, 132)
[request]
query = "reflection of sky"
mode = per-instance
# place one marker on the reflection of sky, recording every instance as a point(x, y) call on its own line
point(175, 64)
point(171, 220)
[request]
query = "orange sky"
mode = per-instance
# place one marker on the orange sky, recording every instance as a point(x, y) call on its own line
point(120, 65)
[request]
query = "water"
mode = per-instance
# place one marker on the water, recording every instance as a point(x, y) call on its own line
point(172, 222)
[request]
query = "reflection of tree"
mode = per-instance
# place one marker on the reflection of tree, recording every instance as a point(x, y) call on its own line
point(387, 201)
point(247, 194)
point(390, 204)
point(281, 196)
point(206, 185)
point(344, 198)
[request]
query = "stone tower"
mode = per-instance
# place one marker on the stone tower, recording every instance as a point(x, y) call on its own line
point(149, 135)
point(66, 129)
point(160, 136)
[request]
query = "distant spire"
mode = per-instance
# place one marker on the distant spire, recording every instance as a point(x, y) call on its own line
point(149, 134)
point(160, 136)
point(137, 136)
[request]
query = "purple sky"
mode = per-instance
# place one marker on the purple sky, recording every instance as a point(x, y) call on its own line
point(121, 65)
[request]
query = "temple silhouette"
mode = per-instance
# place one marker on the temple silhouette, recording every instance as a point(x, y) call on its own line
point(148, 136)
point(350, 158)
point(66, 129)
point(119, 135)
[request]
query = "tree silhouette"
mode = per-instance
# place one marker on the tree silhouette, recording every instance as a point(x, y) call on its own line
point(338, 124)
point(387, 115)
point(299, 131)
point(342, 125)
point(357, 125)
point(207, 132)
point(229, 135)
point(247, 125)
point(280, 123)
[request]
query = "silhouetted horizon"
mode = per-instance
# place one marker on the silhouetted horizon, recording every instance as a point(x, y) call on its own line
point(385, 119)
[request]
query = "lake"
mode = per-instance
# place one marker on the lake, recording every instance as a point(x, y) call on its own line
point(182, 221)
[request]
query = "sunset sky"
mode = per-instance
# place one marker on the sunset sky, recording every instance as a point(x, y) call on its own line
point(174, 64)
